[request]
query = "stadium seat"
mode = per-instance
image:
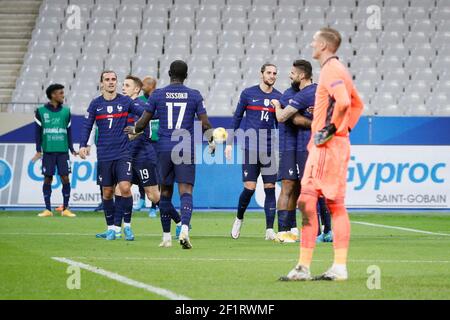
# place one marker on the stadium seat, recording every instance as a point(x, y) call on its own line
point(336, 14)
point(207, 11)
point(287, 12)
point(261, 12)
point(235, 24)
point(396, 25)
point(235, 12)
point(203, 47)
point(320, 3)
point(137, 3)
point(210, 23)
point(129, 23)
point(202, 60)
point(260, 3)
point(230, 48)
point(104, 11)
point(312, 12)
point(416, 13)
point(155, 23)
point(284, 3)
point(245, 3)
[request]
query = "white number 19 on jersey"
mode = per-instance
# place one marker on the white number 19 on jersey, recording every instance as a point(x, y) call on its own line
point(170, 105)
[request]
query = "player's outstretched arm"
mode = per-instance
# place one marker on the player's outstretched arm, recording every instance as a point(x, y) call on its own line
point(141, 123)
point(301, 121)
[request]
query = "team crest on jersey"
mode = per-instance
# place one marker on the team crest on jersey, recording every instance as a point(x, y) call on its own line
point(109, 109)
point(266, 102)
point(119, 108)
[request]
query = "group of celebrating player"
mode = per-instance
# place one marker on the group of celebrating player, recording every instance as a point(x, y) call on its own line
point(314, 121)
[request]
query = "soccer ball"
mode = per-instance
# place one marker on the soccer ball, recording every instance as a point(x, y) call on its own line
point(220, 135)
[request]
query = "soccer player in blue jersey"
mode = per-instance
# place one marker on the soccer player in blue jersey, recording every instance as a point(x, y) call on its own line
point(110, 112)
point(148, 86)
point(177, 106)
point(295, 115)
point(258, 149)
point(143, 158)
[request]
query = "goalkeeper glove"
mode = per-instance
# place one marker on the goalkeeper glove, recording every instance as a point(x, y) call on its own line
point(323, 136)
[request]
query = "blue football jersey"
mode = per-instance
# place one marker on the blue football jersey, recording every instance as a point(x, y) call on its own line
point(141, 148)
point(303, 101)
point(287, 131)
point(259, 115)
point(111, 117)
point(176, 106)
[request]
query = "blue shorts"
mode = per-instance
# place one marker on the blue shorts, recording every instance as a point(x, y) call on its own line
point(144, 174)
point(255, 163)
point(288, 169)
point(171, 172)
point(59, 160)
point(110, 173)
point(302, 156)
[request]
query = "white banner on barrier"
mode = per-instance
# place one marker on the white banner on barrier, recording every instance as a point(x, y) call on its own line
point(378, 177)
point(21, 180)
point(395, 177)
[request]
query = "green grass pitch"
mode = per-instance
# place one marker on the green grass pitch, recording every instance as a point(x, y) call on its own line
point(412, 265)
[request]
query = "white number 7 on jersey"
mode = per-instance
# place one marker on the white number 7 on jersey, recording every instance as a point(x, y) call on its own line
point(170, 106)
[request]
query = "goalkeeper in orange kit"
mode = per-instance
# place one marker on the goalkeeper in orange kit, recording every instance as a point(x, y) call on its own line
point(336, 111)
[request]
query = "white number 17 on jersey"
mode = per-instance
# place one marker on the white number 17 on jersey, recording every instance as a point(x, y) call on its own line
point(170, 105)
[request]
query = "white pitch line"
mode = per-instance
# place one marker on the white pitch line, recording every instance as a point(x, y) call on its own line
point(399, 228)
point(140, 235)
point(252, 260)
point(117, 277)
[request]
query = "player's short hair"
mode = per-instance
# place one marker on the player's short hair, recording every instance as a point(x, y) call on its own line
point(52, 88)
point(178, 70)
point(136, 80)
point(265, 65)
point(107, 71)
point(332, 37)
point(304, 66)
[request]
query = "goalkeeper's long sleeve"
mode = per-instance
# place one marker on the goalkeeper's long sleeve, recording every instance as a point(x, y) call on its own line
point(357, 107)
point(341, 107)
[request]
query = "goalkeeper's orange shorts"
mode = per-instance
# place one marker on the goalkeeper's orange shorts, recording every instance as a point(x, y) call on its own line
point(326, 169)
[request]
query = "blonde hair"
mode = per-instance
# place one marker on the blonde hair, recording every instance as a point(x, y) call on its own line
point(332, 37)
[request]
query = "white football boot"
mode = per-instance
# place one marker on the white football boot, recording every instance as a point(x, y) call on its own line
point(166, 241)
point(185, 242)
point(270, 234)
point(299, 273)
point(335, 273)
point(236, 230)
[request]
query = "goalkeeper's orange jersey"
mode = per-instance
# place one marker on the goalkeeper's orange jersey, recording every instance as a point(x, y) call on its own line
point(334, 90)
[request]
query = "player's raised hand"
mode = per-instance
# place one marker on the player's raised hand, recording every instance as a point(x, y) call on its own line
point(275, 103)
point(228, 151)
point(324, 135)
point(83, 153)
point(36, 157)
